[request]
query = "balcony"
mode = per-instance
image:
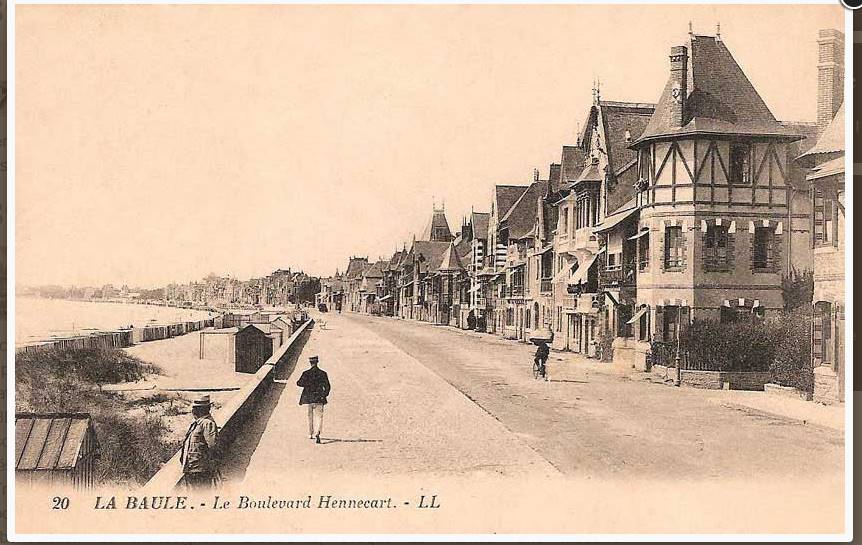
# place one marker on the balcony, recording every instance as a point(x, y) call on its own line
point(515, 291)
point(623, 275)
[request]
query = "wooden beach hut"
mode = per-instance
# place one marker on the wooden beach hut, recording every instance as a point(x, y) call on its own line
point(55, 449)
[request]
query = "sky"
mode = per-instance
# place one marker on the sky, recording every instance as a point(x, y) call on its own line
point(157, 144)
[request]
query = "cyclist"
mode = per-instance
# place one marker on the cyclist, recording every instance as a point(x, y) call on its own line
point(542, 357)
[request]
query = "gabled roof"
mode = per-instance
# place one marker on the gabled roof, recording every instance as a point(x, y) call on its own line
point(619, 118)
point(479, 221)
point(450, 262)
point(720, 98)
point(50, 441)
point(356, 266)
point(375, 270)
point(505, 196)
point(429, 254)
point(571, 164)
point(521, 217)
point(590, 174)
point(832, 139)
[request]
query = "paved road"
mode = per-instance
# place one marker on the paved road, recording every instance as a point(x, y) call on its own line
point(597, 425)
point(411, 398)
point(388, 415)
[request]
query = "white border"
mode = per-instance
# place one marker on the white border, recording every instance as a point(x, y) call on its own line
point(10, 329)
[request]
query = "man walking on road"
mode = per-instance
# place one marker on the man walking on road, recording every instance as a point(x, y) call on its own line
point(315, 389)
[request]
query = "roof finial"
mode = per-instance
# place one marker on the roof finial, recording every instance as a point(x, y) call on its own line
point(690, 30)
point(535, 175)
point(718, 31)
point(598, 89)
point(578, 135)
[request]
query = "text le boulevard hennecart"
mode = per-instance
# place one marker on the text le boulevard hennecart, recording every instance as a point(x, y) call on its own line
point(324, 501)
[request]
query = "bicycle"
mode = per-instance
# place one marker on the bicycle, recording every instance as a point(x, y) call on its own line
point(539, 369)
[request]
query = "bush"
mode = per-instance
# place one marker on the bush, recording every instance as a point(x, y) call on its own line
point(791, 362)
point(780, 344)
point(736, 346)
point(131, 446)
point(798, 290)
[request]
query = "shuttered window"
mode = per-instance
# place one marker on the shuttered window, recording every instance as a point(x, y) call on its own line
point(764, 248)
point(715, 247)
point(674, 256)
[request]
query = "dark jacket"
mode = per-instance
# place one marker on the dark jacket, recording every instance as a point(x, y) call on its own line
point(197, 453)
point(543, 352)
point(315, 386)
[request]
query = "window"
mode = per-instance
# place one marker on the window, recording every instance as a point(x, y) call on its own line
point(739, 164)
point(670, 327)
point(643, 327)
point(825, 216)
point(673, 248)
point(715, 247)
point(613, 262)
point(764, 248)
point(565, 220)
point(643, 252)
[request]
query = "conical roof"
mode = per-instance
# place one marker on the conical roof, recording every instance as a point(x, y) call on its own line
point(438, 228)
point(720, 99)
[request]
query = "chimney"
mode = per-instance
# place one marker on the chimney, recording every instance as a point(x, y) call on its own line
point(554, 177)
point(679, 84)
point(830, 75)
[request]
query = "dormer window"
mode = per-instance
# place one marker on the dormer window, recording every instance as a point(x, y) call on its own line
point(628, 137)
point(740, 154)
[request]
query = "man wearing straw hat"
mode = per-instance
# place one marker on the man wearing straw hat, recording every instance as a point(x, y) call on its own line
point(200, 469)
point(315, 388)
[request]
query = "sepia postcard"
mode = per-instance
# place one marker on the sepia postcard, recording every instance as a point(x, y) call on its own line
point(429, 271)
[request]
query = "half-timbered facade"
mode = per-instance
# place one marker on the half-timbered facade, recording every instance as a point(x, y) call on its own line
point(723, 212)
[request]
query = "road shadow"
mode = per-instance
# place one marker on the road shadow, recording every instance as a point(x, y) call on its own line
point(567, 380)
point(327, 440)
point(241, 444)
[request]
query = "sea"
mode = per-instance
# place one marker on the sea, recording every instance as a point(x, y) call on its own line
point(38, 319)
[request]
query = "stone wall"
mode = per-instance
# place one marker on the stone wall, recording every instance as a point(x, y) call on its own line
point(714, 380)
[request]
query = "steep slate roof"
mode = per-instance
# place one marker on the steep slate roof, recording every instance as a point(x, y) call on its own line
point(438, 221)
point(521, 217)
point(572, 163)
point(619, 117)
point(720, 98)
point(832, 139)
point(450, 262)
point(356, 267)
point(505, 196)
point(479, 220)
point(375, 270)
point(431, 251)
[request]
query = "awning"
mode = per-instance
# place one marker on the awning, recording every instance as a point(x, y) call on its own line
point(639, 235)
point(614, 219)
point(581, 273)
point(638, 315)
point(564, 274)
point(543, 250)
point(385, 298)
point(610, 296)
point(475, 288)
point(516, 264)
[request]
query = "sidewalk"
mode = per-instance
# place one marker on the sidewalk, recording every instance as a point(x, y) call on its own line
point(808, 412)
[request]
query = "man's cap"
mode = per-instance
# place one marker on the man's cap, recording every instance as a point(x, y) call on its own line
point(202, 401)
point(313, 359)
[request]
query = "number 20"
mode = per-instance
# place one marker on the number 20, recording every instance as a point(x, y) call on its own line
point(60, 503)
